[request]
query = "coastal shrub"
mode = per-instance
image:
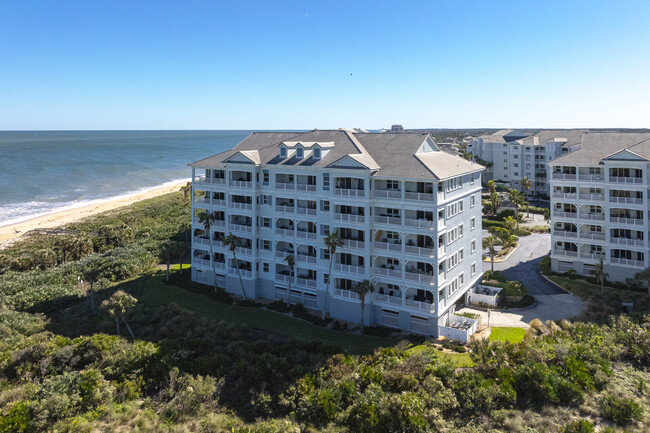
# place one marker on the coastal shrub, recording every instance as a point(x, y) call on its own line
point(578, 426)
point(494, 276)
point(279, 306)
point(545, 264)
point(621, 410)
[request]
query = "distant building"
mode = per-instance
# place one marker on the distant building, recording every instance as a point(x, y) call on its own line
point(396, 128)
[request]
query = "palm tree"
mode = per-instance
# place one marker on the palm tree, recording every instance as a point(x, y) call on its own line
point(495, 200)
point(644, 275)
point(491, 242)
point(232, 242)
point(291, 262)
point(599, 272)
point(509, 223)
point(91, 274)
point(362, 289)
point(517, 199)
point(332, 241)
point(186, 190)
point(526, 184)
point(207, 218)
point(117, 305)
point(492, 186)
point(167, 252)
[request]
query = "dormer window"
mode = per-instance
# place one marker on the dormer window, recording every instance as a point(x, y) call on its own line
point(283, 152)
point(300, 153)
point(317, 153)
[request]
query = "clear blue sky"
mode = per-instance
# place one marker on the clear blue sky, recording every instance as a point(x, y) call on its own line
point(276, 65)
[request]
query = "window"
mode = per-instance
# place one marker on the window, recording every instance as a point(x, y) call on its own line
point(265, 177)
point(455, 183)
point(472, 201)
point(461, 279)
point(324, 230)
point(471, 179)
point(266, 222)
point(473, 246)
point(266, 245)
point(473, 269)
point(326, 181)
point(454, 208)
point(300, 153)
point(325, 254)
point(266, 200)
point(283, 152)
point(326, 278)
point(325, 205)
point(317, 153)
point(392, 184)
point(265, 267)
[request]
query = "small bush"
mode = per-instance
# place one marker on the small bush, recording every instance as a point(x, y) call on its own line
point(279, 306)
point(495, 276)
point(578, 426)
point(545, 264)
point(377, 331)
point(621, 410)
point(572, 274)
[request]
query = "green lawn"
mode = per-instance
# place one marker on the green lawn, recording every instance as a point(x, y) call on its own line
point(462, 360)
point(512, 335)
point(156, 293)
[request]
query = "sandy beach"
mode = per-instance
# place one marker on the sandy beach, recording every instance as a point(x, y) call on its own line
point(11, 232)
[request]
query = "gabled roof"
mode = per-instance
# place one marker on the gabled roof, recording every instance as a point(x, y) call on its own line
point(597, 146)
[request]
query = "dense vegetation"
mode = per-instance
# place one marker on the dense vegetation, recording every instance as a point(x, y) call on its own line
point(62, 369)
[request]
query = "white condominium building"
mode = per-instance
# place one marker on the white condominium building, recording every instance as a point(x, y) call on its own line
point(512, 155)
point(409, 216)
point(599, 205)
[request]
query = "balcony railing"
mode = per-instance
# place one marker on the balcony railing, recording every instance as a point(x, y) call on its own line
point(357, 245)
point(389, 300)
point(563, 176)
point(350, 218)
point(419, 223)
point(220, 265)
point(592, 256)
point(345, 192)
point(387, 193)
point(628, 221)
point(592, 177)
point(285, 232)
point(240, 184)
point(241, 206)
point(240, 228)
point(285, 209)
point(593, 236)
point(202, 241)
point(569, 195)
point(565, 234)
point(346, 294)
point(420, 278)
point(202, 200)
point(566, 253)
point(243, 251)
point(349, 269)
point(283, 254)
point(388, 246)
point(281, 278)
point(306, 211)
point(421, 306)
point(565, 214)
point(395, 221)
point(594, 197)
point(627, 262)
point(245, 274)
point(420, 251)
point(626, 200)
point(626, 241)
point(305, 234)
point(306, 282)
point(618, 179)
point(386, 272)
point(209, 180)
point(285, 185)
point(592, 216)
point(201, 262)
point(418, 196)
point(305, 187)
point(302, 258)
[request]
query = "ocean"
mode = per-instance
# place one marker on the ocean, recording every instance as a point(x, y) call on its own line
point(47, 171)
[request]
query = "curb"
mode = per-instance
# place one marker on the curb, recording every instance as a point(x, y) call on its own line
point(557, 285)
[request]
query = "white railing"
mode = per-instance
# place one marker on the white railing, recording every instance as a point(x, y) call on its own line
point(565, 253)
point(571, 195)
point(240, 184)
point(595, 197)
point(387, 246)
point(241, 206)
point(618, 179)
point(201, 262)
point(565, 234)
point(419, 305)
point(284, 209)
point(350, 218)
point(350, 269)
point(284, 185)
point(418, 196)
point(203, 241)
point(563, 176)
point(388, 220)
point(387, 193)
point(345, 192)
point(305, 211)
point(210, 180)
point(240, 228)
point(201, 200)
point(626, 200)
point(219, 265)
point(284, 232)
point(392, 273)
point(305, 234)
point(630, 221)
point(627, 262)
point(441, 223)
point(306, 259)
point(283, 254)
point(358, 245)
point(593, 236)
point(419, 223)
point(244, 273)
point(565, 214)
point(442, 250)
point(593, 177)
point(626, 241)
point(243, 251)
point(592, 256)
point(592, 216)
point(389, 300)
point(485, 295)
point(420, 278)
point(283, 278)
point(346, 294)
point(420, 251)
point(306, 187)
point(306, 282)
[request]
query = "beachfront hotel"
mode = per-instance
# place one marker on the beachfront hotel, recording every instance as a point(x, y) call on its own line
point(512, 155)
point(408, 213)
point(600, 205)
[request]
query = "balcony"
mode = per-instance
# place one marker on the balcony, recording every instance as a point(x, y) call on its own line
point(394, 221)
point(240, 228)
point(565, 214)
point(419, 251)
point(626, 221)
point(563, 176)
point(243, 251)
point(288, 186)
point(592, 197)
point(283, 278)
point(306, 187)
point(420, 306)
point(388, 300)
point(283, 254)
point(305, 234)
point(592, 216)
point(306, 211)
point(627, 180)
point(284, 232)
point(388, 272)
point(220, 265)
point(567, 195)
point(201, 262)
point(592, 177)
point(202, 200)
point(248, 275)
point(301, 258)
point(240, 184)
point(593, 236)
point(387, 193)
point(626, 241)
point(209, 180)
point(285, 209)
point(306, 282)
point(346, 294)
point(387, 246)
point(565, 234)
point(350, 218)
point(626, 200)
point(593, 256)
point(346, 192)
point(419, 223)
point(201, 241)
point(420, 278)
point(353, 244)
point(349, 269)
point(565, 253)
point(627, 262)
point(240, 206)
point(418, 196)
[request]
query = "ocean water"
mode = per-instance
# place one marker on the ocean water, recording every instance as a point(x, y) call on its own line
point(46, 171)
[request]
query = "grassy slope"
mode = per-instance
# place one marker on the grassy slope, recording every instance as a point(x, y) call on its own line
point(512, 335)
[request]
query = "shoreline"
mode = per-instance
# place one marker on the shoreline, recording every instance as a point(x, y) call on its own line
point(11, 232)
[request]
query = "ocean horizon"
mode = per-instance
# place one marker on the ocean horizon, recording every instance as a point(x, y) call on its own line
point(44, 172)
